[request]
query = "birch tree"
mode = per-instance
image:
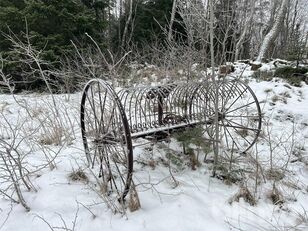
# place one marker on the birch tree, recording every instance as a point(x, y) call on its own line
point(274, 31)
point(127, 23)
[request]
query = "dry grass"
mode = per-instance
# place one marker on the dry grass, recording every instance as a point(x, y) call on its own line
point(3, 106)
point(291, 184)
point(281, 98)
point(275, 98)
point(243, 132)
point(56, 127)
point(152, 164)
point(275, 196)
point(78, 175)
point(274, 174)
point(245, 194)
point(134, 202)
point(268, 90)
point(53, 136)
point(285, 94)
point(302, 219)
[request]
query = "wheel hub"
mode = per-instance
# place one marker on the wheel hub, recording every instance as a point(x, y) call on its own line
point(105, 139)
point(221, 116)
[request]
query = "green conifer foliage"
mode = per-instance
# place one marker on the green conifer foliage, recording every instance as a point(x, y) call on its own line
point(51, 23)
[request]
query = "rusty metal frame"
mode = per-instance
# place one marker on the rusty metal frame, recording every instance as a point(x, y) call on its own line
point(149, 110)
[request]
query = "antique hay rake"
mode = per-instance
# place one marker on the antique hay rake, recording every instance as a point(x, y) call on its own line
point(111, 120)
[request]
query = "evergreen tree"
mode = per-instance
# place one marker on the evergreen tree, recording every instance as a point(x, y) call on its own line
point(52, 23)
point(150, 17)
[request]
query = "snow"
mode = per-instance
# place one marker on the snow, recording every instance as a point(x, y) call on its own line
point(199, 202)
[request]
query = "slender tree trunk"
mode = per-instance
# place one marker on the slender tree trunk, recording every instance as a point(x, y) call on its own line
point(132, 24)
point(242, 37)
point(274, 31)
point(306, 45)
point(127, 23)
point(286, 34)
point(119, 19)
point(294, 18)
point(171, 20)
point(109, 26)
point(216, 127)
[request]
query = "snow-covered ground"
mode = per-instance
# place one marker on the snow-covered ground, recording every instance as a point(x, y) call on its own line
point(199, 202)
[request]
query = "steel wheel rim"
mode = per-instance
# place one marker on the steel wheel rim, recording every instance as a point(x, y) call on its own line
point(240, 116)
point(106, 138)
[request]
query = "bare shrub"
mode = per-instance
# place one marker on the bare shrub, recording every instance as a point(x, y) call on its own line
point(63, 224)
point(96, 64)
point(15, 174)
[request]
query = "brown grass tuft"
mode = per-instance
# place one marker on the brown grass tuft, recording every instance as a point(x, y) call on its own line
point(79, 175)
point(245, 194)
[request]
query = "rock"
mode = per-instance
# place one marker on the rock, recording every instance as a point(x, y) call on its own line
point(255, 66)
point(226, 69)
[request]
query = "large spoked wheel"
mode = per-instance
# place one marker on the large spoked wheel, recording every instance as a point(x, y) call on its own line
point(239, 115)
point(106, 138)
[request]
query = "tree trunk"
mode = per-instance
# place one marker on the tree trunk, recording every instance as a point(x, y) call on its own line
point(273, 33)
point(127, 24)
point(171, 20)
point(242, 37)
point(119, 19)
point(294, 18)
point(216, 127)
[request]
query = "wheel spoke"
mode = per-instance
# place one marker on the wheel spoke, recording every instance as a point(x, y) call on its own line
point(246, 88)
point(103, 130)
point(242, 116)
point(238, 132)
point(235, 115)
point(226, 137)
point(231, 136)
point(246, 105)
point(242, 127)
point(229, 96)
point(102, 105)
